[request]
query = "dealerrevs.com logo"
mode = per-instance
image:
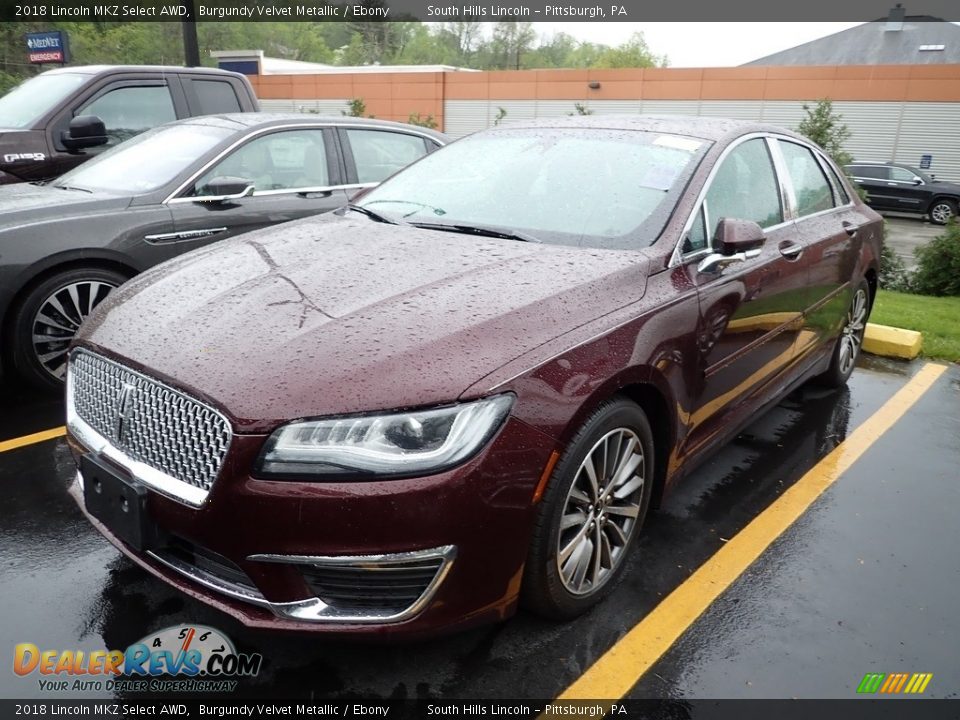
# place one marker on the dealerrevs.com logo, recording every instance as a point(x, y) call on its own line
point(191, 658)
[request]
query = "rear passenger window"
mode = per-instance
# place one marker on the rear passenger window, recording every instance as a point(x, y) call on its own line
point(379, 154)
point(809, 183)
point(874, 172)
point(215, 96)
point(840, 191)
point(745, 188)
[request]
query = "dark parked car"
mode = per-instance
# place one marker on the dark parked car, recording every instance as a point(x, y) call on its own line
point(65, 246)
point(51, 123)
point(902, 188)
point(469, 389)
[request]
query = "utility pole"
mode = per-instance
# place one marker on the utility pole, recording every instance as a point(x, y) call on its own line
point(191, 47)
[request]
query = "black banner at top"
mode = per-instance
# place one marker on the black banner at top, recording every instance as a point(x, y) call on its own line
point(468, 10)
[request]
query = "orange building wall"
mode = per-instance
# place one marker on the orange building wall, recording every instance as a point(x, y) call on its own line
point(394, 96)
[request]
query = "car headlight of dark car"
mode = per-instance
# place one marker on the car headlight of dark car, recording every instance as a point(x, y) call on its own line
point(417, 442)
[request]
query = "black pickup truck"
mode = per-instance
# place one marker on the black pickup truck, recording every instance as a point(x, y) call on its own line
point(53, 122)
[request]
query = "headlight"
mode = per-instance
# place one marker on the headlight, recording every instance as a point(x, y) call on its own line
point(409, 443)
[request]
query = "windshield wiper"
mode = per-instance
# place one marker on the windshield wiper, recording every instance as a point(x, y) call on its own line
point(479, 230)
point(372, 214)
point(71, 187)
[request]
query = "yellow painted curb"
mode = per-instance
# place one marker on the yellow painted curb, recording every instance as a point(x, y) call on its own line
point(892, 342)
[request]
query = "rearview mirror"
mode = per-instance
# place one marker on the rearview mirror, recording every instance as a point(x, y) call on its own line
point(84, 131)
point(225, 188)
point(735, 241)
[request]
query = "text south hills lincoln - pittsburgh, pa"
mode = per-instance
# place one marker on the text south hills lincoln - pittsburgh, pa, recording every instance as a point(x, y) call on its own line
point(473, 12)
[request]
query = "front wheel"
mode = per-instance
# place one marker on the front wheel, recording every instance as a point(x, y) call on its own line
point(850, 342)
point(50, 315)
point(592, 510)
point(942, 210)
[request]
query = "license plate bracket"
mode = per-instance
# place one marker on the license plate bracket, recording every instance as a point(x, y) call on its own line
point(119, 502)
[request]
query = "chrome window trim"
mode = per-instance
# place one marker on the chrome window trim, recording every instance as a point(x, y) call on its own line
point(820, 159)
point(173, 199)
point(165, 484)
point(677, 257)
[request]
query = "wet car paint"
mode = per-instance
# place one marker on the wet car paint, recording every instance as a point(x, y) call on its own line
point(63, 586)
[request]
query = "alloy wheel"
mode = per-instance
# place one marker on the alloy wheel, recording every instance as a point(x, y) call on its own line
point(58, 319)
point(600, 511)
point(852, 337)
point(941, 213)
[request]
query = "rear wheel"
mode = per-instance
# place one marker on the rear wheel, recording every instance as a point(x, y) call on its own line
point(592, 510)
point(850, 342)
point(942, 210)
point(49, 316)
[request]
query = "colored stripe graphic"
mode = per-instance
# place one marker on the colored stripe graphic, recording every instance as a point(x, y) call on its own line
point(871, 682)
point(894, 683)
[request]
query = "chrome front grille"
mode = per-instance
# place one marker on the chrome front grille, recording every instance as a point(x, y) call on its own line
point(150, 423)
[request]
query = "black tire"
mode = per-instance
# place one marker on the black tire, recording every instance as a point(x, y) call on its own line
point(36, 363)
point(548, 589)
point(849, 344)
point(942, 210)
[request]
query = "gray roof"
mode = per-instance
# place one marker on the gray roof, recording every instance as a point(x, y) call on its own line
point(872, 44)
point(705, 128)
point(266, 119)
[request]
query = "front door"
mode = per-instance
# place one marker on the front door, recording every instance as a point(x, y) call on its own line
point(751, 311)
point(294, 174)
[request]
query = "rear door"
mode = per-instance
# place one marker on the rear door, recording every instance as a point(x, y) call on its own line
point(875, 180)
point(295, 172)
point(373, 154)
point(830, 229)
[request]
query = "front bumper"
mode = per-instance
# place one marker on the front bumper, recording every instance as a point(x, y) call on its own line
point(270, 538)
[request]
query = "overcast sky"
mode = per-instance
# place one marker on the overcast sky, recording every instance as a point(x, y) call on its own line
point(701, 44)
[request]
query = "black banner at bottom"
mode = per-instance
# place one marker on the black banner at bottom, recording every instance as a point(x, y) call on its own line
point(853, 709)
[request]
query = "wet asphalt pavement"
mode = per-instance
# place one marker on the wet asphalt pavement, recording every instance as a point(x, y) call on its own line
point(868, 580)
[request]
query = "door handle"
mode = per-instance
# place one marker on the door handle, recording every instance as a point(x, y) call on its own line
point(791, 250)
point(850, 228)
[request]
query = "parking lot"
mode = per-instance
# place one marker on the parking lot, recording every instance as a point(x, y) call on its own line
point(865, 580)
point(905, 233)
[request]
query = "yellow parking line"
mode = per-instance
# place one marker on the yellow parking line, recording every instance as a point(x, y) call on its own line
point(32, 439)
point(618, 670)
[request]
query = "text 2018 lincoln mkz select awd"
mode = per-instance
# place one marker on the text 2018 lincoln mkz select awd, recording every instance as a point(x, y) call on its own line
point(466, 391)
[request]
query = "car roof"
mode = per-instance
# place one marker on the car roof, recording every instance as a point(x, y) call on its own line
point(107, 69)
point(262, 120)
point(705, 128)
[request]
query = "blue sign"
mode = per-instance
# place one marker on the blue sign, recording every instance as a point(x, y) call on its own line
point(926, 161)
point(48, 47)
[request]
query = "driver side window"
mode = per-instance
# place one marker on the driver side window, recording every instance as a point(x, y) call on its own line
point(744, 188)
point(279, 161)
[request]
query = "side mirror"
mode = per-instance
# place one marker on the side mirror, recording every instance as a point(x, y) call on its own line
point(917, 180)
point(225, 188)
point(736, 241)
point(84, 131)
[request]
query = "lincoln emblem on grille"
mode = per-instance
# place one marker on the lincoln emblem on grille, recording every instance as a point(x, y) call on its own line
point(123, 400)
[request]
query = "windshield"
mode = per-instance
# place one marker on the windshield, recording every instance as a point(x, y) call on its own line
point(27, 102)
point(147, 161)
point(570, 186)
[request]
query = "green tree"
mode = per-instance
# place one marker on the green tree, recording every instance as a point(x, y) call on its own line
point(634, 53)
point(824, 127)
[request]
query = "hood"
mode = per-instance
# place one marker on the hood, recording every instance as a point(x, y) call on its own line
point(23, 203)
point(333, 316)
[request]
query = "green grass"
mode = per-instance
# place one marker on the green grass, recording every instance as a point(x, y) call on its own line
point(938, 318)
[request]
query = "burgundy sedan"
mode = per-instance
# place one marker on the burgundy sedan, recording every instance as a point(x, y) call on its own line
point(467, 390)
